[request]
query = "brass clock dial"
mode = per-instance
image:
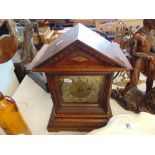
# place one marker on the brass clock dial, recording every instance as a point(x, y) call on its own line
point(80, 89)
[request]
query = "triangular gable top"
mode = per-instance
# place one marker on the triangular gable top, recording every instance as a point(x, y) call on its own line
point(86, 36)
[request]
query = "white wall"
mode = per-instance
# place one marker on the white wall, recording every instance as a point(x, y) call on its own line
point(8, 79)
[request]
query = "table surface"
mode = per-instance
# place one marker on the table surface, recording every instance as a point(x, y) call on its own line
point(35, 106)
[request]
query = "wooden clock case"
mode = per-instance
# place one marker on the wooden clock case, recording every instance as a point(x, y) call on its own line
point(79, 52)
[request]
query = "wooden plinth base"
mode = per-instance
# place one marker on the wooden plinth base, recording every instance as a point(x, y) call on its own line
point(72, 122)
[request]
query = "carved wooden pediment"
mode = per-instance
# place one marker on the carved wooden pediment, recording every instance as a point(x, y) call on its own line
point(78, 55)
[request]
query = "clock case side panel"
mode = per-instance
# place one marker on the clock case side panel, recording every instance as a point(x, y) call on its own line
point(51, 87)
point(108, 89)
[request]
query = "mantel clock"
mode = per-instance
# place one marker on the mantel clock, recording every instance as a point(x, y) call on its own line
point(79, 67)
